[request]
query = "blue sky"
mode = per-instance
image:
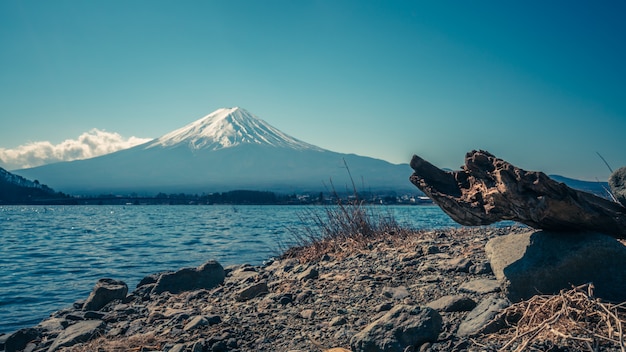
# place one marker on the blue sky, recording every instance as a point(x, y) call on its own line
point(540, 84)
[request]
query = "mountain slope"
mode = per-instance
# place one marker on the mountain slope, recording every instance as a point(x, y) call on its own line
point(226, 128)
point(227, 149)
point(598, 188)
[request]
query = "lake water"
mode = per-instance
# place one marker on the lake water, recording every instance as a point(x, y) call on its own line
point(51, 256)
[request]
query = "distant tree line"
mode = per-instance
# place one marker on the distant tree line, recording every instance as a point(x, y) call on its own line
point(230, 197)
point(12, 194)
point(245, 197)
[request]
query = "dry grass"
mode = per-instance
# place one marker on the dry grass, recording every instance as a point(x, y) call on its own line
point(347, 228)
point(572, 320)
point(340, 230)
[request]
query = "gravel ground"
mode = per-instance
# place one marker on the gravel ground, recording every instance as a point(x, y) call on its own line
point(295, 304)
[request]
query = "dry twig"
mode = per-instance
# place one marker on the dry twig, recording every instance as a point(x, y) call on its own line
point(574, 319)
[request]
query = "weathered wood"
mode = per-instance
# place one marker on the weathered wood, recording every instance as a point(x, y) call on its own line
point(617, 183)
point(487, 190)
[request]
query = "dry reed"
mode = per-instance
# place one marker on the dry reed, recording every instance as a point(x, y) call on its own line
point(340, 230)
point(571, 320)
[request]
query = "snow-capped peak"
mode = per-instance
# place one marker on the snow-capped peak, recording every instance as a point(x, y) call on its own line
point(229, 127)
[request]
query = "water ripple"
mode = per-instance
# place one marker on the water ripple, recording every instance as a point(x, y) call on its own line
point(52, 256)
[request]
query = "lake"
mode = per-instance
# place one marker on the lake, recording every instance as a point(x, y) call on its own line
point(51, 256)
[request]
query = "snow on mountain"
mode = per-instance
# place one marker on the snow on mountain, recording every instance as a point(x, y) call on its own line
point(229, 149)
point(226, 150)
point(226, 128)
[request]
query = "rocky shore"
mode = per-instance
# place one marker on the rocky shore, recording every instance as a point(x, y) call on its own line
point(414, 291)
point(424, 291)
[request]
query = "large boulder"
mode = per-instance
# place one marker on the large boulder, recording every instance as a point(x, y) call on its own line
point(617, 183)
point(105, 291)
point(403, 326)
point(542, 262)
point(206, 276)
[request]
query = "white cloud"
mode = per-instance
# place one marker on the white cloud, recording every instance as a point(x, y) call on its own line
point(87, 145)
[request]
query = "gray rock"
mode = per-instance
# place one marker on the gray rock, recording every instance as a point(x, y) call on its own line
point(91, 315)
point(206, 276)
point(179, 347)
point(285, 299)
point(18, 340)
point(484, 318)
point(53, 324)
point(480, 286)
point(196, 322)
point(303, 296)
point(453, 303)
point(3, 339)
point(364, 277)
point(213, 319)
point(219, 346)
point(431, 278)
point(105, 291)
point(617, 183)
point(461, 265)
point(80, 332)
point(383, 307)
point(399, 292)
point(242, 273)
point(337, 321)
point(307, 314)
point(252, 291)
point(202, 320)
point(430, 249)
point(309, 274)
point(148, 280)
point(198, 346)
point(480, 269)
point(403, 326)
point(547, 262)
point(75, 316)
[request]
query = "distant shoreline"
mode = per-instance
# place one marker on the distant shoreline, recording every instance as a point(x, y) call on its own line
point(239, 197)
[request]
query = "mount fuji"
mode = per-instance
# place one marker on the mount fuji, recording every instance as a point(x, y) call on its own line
point(226, 150)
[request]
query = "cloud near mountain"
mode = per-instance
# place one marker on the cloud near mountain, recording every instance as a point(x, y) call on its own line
point(88, 145)
point(228, 149)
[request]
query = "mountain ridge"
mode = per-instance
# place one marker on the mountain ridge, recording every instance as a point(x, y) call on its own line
point(598, 188)
point(225, 150)
point(226, 128)
point(15, 189)
point(231, 149)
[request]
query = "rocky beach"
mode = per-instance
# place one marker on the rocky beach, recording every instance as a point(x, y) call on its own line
point(414, 291)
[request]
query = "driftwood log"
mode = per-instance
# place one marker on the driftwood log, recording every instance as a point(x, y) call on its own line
point(487, 190)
